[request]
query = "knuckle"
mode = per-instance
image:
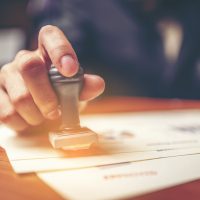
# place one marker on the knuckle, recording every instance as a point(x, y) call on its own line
point(6, 117)
point(34, 121)
point(25, 62)
point(5, 68)
point(49, 106)
point(21, 53)
point(5, 72)
point(21, 99)
point(29, 63)
point(37, 121)
point(59, 50)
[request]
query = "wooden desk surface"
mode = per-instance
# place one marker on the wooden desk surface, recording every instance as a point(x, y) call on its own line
point(18, 187)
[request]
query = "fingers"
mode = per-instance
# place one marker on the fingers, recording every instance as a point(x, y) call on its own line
point(55, 47)
point(93, 87)
point(8, 114)
point(26, 95)
point(35, 75)
point(20, 96)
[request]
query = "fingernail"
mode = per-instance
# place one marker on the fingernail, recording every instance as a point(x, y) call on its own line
point(55, 114)
point(69, 65)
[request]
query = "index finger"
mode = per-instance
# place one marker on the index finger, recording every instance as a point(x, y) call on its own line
point(55, 48)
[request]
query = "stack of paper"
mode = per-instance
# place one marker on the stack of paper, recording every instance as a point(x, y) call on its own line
point(123, 180)
point(124, 138)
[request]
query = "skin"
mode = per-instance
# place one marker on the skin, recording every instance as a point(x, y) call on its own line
point(26, 96)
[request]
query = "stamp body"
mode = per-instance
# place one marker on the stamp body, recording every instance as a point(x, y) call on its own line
point(70, 135)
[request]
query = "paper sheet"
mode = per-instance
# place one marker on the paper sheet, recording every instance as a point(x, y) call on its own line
point(122, 138)
point(123, 180)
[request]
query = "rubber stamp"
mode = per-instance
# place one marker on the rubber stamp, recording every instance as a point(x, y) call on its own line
point(70, 135)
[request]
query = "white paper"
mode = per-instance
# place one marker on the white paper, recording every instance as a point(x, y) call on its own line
point(123, 180)
point(122, 138)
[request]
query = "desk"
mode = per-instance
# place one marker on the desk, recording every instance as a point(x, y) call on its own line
point(18, 187)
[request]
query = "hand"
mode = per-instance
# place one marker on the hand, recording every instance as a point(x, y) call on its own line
point(26, 95)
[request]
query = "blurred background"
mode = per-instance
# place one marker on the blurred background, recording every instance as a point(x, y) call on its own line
point(141, 47)
point(14, 27)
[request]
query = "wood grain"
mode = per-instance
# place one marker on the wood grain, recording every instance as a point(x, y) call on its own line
point(18, 187)
point(30, 187)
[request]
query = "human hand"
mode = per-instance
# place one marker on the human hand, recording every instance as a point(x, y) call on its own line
point(26, 95)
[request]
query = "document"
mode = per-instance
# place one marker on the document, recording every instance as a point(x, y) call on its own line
point(123, 180)
point(123, 137)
